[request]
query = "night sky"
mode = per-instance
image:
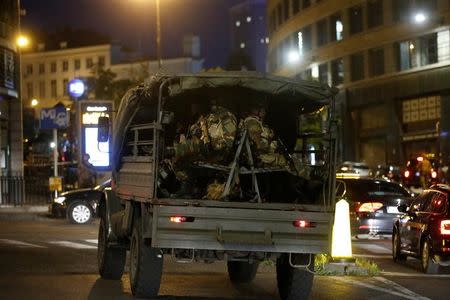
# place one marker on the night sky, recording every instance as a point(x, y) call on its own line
point(133, 22)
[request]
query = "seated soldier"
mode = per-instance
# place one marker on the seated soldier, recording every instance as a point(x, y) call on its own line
point(263, 139)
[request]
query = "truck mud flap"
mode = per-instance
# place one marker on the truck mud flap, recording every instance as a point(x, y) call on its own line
point(212, 228)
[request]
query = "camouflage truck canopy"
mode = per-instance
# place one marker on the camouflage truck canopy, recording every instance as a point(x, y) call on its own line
point(143, 99)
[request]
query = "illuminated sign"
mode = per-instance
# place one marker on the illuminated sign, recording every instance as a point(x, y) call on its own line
point(96, 108)
point(98, 152)
point(91, 118)
point(76, 88)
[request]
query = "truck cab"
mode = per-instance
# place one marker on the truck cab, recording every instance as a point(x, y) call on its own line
point(176, 193)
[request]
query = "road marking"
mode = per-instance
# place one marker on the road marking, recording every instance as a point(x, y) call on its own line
point(92, 241)
point(72, 245)
point(20, 244)
point(372, 248)
point(377, 288)
point(417, 275)
point(401, 288)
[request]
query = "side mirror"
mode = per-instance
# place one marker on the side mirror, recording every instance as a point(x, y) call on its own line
point(402, 208)
point(103, 129)
point(167, 117)
point(341, 189)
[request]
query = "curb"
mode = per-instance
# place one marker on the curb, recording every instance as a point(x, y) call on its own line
point(20, 216)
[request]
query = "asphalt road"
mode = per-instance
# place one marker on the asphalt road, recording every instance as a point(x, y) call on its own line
point(53, 259)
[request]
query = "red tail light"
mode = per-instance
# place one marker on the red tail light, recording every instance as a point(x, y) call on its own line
point(303, 224)
point(369, 207)
point(181, 219)
point(406, 174)
point(445, 227)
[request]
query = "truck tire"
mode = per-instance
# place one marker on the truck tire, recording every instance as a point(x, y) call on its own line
point(111, 260)
point(294, 283)
point(242, 271)
point(146, 265)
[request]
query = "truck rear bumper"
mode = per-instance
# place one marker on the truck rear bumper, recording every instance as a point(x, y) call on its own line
point(235, 229)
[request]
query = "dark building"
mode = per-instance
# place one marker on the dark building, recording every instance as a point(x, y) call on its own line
point(389, 58)
point(248, 31)
point(11, 143)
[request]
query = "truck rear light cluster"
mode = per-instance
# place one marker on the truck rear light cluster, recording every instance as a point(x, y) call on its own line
point(303, 224)
point(369, 207)
point(181, 219)
point(445, 227)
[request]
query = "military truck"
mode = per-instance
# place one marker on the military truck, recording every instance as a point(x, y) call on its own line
point(281, 214)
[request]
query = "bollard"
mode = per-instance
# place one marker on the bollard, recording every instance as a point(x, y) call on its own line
point(341, 246)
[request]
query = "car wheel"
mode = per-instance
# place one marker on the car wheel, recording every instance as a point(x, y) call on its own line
point(79, 213)
point(427, 263)
point(396, 253)
point(146, 265)
point(295, 283)
point(111, 261)
point(242, 271)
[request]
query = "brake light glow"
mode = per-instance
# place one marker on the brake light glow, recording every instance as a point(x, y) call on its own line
point(370, 207)
point(433, 174)
point(406, 174)
point(303, 224)
point(181, 219)
point(445, 227)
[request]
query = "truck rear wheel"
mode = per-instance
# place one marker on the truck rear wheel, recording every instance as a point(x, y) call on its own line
point(295, 283)
point(146, 265)
point(242, 271)
point(111, 261)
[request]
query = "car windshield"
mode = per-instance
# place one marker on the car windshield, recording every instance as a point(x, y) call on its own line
point(359, 190)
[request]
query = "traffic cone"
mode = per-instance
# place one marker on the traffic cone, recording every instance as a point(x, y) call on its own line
point(341, 246)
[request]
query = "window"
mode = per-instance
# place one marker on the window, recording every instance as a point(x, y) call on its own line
point(89, 63)
point(29, 70)
point(336, 28)
point(356, 19)
point(286, 9)
point(406, 55)
point(295, 6)
point(337, 71)
point(439, 204)
point(42, 89)
point(41, 68)
point(77, 64)
point(65, 65)
point(53, 88)
point(306, 3)
point(279, 14)
point(65, 86)
point(421, 111)
point(322, 32)
point(428, 50)
point(357, 66)
point(443, 44)
point(101, 61)
point(30, 90)
point(53, 67)
point(305, 39)
point(374, 13)
point(401, 10)
point(421, 202)
point(376, 62)
point(323, 73)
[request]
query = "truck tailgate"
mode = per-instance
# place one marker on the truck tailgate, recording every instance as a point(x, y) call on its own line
point(218, 228)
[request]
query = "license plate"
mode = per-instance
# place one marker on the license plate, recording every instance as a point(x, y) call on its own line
point(392, 210)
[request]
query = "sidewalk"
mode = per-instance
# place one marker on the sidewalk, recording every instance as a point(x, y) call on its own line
point(24, 213)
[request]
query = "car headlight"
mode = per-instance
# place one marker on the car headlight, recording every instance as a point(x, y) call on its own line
point(59, 200)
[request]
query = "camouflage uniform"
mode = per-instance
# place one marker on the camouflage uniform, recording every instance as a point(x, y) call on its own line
point(262, 139)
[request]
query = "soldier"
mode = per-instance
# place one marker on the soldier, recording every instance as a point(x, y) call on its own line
point(262, 139)
point(86, 173)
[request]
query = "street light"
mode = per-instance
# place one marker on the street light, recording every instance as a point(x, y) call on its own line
point(34, 102)
point(420, 18)
point(293, 56)
point(22, 41)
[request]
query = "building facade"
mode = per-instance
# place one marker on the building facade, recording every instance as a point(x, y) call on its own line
point(249, 31)
point(46, 74)
point(11, 153)
point(390, 60)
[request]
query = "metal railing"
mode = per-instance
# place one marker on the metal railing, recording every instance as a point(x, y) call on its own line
point(11, 190)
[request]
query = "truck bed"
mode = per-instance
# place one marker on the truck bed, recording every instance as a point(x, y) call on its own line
point(239, 226)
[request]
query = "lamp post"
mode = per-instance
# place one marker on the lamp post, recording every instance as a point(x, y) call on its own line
point(158, 35)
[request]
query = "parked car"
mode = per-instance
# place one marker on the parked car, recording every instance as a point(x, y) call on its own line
point(423, 231)
point(78, 206)
point(356, 167)
point(373, 204)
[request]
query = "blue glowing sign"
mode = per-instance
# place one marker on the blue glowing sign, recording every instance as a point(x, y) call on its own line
point(76, 88)
point(54, 118)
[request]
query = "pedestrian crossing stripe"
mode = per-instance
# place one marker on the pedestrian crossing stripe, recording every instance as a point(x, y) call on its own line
point(91, 244)
point(73, 245)
point(20, 244)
